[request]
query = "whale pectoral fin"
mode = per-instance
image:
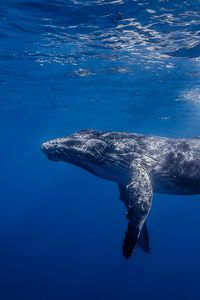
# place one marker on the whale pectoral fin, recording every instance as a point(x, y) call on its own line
point(143, 240)
point(137, 197)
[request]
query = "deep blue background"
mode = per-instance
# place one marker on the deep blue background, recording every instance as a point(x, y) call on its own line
point(110, 65)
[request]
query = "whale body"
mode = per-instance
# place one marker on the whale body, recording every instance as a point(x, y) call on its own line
point(139, 164)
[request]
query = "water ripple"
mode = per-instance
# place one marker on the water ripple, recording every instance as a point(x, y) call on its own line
point(129, 32)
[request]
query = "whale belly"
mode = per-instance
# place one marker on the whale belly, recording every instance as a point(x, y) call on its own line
point(112, 173)
point(166, 184)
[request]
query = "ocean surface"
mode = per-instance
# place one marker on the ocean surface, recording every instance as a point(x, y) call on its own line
point(125, 65)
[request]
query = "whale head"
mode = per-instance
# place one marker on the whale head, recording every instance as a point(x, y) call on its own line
point(88, 150)
point(76, 148)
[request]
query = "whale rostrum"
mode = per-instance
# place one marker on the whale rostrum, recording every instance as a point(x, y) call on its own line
point(139, 164)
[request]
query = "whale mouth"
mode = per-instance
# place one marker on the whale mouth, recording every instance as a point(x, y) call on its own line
point(43, 147)
point(49, 147)
point(51, 153)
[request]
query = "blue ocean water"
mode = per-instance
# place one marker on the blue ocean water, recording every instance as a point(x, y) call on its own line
point(127, 65)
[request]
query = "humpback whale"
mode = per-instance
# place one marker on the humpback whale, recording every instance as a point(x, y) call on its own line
point(139, 164)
